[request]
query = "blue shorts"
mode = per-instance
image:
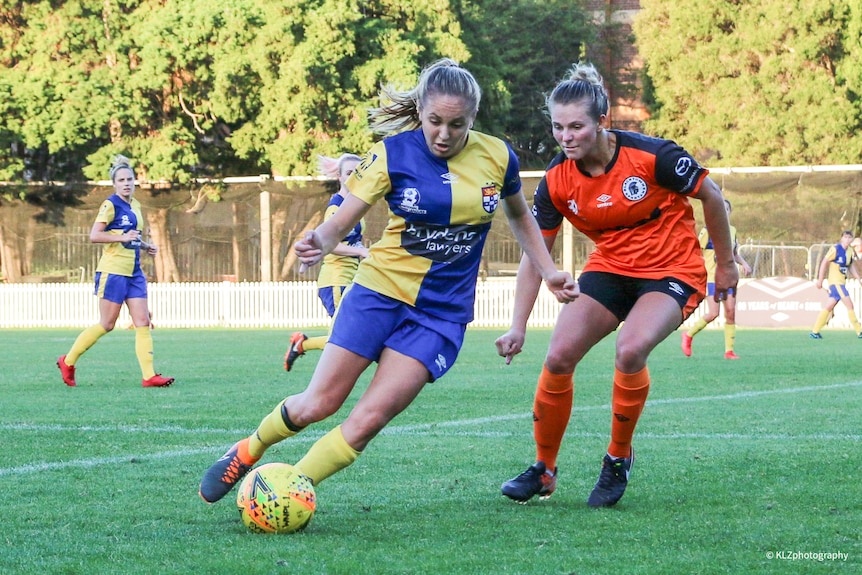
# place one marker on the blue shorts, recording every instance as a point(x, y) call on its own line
point(837, 291)
point(367, 322)
point(118, 289)
point(710, 290)
point(330, 297)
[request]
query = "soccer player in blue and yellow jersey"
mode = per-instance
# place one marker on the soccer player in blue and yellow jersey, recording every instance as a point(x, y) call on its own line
point(119, 277)
point(629, 194)
point(413, 296)
point(340, 265)
point(833, 269)
point(712, 305)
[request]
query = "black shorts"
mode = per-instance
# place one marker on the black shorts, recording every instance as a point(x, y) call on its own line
point(619, 293)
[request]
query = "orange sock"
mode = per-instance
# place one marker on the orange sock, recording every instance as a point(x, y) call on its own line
point(552, 408)
point(629, 396)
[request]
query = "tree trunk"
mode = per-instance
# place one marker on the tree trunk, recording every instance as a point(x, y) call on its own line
point(279, 217)
point(29, 246)
point(166, 265)
point(292, 235)
point(239, 242)
point(10, 249)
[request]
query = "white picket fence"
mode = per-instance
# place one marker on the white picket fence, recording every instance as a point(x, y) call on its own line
point(283, 305)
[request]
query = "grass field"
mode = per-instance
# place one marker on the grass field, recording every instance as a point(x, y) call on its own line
point(748, 466)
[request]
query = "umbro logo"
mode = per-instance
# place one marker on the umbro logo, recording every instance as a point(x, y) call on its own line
point(676, 288)
point(441, 362)
point(603, 201)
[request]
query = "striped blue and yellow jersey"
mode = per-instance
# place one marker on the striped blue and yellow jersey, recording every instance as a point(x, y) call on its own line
point(120, 258)
point(339, 270)
point(839, 262)
point(709, 251)
point(440, 211)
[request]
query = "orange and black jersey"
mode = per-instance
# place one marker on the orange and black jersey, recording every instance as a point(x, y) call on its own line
point(637, 212)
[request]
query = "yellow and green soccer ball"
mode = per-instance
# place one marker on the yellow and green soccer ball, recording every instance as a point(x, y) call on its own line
point(275, 498)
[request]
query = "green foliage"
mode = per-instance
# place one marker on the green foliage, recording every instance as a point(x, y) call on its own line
point(520, 51)
point(764, 83)
point(196, 87)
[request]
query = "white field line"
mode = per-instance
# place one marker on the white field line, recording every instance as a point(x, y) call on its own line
point(418, 429)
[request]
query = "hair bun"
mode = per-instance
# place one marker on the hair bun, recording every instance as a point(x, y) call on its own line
point(120, 161)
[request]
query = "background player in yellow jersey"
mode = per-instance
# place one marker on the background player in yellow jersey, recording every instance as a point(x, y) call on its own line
point(712, 305)
point(833, 269)
point(413, 296)
point(340, 265)
point(119, 277)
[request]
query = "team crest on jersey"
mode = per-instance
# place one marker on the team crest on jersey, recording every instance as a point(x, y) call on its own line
point(125, 222)
point(634, 188)
point(410, 198)
point(490, 198)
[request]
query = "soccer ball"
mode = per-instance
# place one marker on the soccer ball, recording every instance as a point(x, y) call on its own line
point(275, 498)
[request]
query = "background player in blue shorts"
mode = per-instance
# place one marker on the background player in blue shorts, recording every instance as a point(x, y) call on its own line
point(729, 302)
point(119, 277)
point(413, 297)
point(339, 266)
point(834, 267)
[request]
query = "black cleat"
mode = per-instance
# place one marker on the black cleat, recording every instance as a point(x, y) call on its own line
point(612, 480)
point(534, 481)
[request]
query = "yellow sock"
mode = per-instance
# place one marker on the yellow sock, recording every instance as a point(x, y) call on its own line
point(316, 342)
point(698, 325)
point(853, 320)
point(144, 350)
point(271, 430)
point(822, 318)
point(729, 336)
point(330, 454)
point(85, 341)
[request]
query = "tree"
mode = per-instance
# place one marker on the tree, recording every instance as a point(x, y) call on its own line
point(520, 50)
point(775, 82)
point(198, 88)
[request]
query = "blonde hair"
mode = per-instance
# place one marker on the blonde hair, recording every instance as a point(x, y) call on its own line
point(584, 83)
point(118, 163)
point(331, 167)
point(399, 110)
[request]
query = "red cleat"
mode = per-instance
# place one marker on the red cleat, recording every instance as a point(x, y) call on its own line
point(67, 371)
point(730, 355)
point(295, 350)
point(686, 344)
point(157, 380)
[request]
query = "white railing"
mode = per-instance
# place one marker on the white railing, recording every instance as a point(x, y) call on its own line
point(282, 305)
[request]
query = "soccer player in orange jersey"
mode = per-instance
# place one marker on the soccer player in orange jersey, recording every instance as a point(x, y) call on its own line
point(629, 194)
